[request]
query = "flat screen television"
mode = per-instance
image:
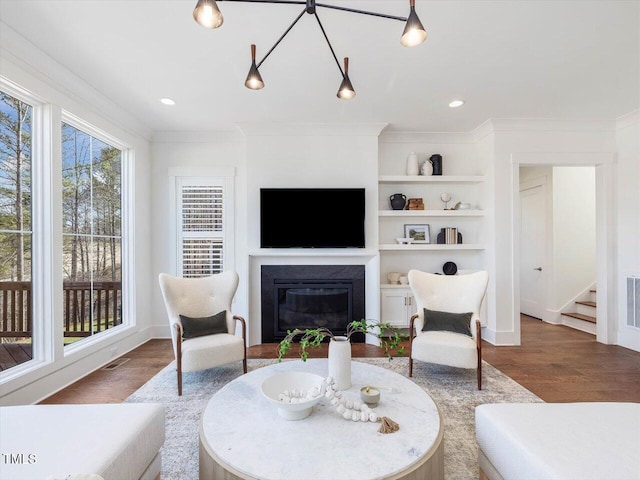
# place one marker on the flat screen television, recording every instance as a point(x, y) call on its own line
point(312, 218)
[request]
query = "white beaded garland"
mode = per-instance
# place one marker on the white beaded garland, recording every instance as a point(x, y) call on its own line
point(298, 396)
point(349, 409)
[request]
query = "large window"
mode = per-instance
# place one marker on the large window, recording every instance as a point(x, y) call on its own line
point(16, 323)
point(92, 237)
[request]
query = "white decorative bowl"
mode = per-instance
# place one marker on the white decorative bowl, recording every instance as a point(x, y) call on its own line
point(404, 240)
point(276, 384)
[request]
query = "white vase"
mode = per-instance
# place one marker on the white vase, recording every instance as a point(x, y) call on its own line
point(340, 362)
point(427, 168)
point(413, 168)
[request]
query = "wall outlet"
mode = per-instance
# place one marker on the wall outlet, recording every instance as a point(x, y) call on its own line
point(113, 352)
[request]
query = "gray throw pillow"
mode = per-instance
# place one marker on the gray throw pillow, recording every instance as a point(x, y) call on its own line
point(199, 327)
point(435, 321)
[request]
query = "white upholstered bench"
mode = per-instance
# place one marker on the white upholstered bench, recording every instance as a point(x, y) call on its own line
point(559, 441)
point(115, 441)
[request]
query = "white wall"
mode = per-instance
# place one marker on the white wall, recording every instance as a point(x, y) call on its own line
point(23, 64)
point(192, 154)
point(574, 233)
point(627, 219)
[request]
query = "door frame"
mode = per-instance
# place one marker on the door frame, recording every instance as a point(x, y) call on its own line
point(604, 163)
point(543, 183)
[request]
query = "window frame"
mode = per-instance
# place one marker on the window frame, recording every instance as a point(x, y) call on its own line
point(126, 230)
point(215, 176)
point(42, 153)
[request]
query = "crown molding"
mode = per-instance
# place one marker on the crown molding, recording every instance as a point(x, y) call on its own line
point(205, 136)
point(312, 129)
point(550, 125)
point(483, 130)
point(628, 120)
point(18, 56)
point(400, 136)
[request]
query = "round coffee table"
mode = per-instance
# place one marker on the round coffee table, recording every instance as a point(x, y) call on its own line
point(243, 437)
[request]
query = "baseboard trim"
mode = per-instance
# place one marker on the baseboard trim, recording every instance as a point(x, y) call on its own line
point(500, 338)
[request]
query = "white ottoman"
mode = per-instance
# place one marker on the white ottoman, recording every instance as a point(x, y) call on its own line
point(116, 441)
point(559, 441)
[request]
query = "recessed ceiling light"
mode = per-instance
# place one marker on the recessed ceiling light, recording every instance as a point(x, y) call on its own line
point(456, 103)
point(167, 101)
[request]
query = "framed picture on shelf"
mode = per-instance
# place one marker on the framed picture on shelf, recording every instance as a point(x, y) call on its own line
point(419, 233)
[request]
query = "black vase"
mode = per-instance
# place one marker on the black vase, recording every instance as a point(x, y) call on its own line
point(398, 201)
point(436, 161)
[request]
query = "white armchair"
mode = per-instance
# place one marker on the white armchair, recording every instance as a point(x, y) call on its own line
point(197, 298)
point(454, 294)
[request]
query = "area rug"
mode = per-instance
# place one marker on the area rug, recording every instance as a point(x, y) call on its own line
point(454, 390)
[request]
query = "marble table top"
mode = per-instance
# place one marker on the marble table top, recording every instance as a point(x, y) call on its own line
point(245, 431)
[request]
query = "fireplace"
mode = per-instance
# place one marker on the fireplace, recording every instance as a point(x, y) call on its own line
point(310, 296)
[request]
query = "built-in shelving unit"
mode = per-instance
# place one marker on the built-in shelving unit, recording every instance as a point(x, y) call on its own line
point(463, 180)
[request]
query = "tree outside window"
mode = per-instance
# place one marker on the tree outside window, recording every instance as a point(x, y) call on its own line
point(92, 237)
point(16, 330)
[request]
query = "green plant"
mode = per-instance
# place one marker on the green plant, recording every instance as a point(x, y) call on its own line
point(390, 337)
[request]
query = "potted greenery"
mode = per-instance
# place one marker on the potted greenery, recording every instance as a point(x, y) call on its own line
point(340, 346)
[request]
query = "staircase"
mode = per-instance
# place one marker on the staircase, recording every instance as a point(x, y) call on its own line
point(584, 318)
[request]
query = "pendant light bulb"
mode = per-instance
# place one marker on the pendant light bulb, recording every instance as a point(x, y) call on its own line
point(208, 14)
point(346, 91)
point(414, 33)
point(254, 79)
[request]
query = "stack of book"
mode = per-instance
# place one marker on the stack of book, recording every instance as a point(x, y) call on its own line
point(450, 235)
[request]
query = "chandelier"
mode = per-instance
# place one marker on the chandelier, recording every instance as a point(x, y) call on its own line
point(208, 15)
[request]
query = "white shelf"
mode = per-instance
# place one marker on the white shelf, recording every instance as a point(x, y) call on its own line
point(430, 179)
point(430, 213)
point(395, 285)
point(313, 252)
point(428, 246)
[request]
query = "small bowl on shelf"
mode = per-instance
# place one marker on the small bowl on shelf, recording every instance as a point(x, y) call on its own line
point(277, 384)
point(404, 241)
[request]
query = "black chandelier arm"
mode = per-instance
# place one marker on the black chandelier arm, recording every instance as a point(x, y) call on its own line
point(282, 36)
point(323, 5)
point(329, 43)
point(284, 2)
point(362, 12)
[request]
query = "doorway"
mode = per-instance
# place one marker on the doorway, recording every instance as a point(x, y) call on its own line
point(558, 245)
point(604, 168)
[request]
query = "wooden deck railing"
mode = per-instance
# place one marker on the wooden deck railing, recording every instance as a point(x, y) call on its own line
point(15, 308)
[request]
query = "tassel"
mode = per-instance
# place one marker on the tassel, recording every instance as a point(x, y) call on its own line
point(388, 426)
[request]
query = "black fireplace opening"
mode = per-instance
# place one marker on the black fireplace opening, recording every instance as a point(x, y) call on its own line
point(311, 296)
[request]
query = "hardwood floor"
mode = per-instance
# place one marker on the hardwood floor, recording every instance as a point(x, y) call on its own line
point(560, 364)
point(557, 363)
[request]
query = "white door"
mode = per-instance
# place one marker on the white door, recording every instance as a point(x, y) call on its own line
point(532, 241)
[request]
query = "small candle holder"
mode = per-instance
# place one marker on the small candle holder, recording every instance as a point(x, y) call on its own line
point(370, 395)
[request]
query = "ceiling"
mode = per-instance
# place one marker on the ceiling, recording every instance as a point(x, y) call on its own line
point(507, 59)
